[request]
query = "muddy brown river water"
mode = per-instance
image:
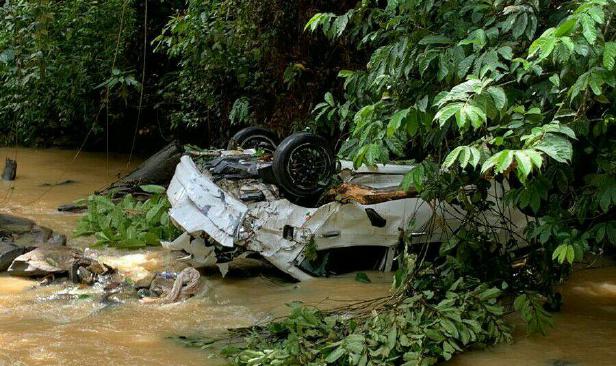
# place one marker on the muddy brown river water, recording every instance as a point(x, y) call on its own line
point(39, 327)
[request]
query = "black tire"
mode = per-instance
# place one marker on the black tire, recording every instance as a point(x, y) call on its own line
point(304, 165)
point(254, 138)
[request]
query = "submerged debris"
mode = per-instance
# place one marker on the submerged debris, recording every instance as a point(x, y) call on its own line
point(87, 271)
point(185, 285)
point(90, 278)
point(118, 292)
point(60, 183)
point(200, 254)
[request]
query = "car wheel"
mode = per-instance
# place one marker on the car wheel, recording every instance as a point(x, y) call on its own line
point(254, 138)
point(304, 165)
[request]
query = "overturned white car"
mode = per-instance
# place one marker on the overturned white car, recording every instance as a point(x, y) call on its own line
point(229, 203)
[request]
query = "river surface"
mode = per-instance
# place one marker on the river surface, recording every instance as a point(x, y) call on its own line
point(40, 326)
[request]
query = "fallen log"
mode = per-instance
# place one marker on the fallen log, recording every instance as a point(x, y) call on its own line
point(73, 207)
point(157, 169)
point(347, 192)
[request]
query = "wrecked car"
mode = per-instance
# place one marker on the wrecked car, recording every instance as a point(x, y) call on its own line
point(294, 205)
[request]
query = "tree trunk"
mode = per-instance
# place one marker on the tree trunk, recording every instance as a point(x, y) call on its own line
point(10, 169)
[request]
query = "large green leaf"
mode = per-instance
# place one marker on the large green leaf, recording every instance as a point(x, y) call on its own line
point(565, 28)
point(396, 121)
point(452, 157)
point(499, 161)
point(555, 146)
point(151, 188)
point(609, 55)
point(524, 163)
point(447, 112)
point(588, 29)
point(475, 114)
point(498, 95)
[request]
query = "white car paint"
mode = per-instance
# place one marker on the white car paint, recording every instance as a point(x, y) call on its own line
point(280, 230)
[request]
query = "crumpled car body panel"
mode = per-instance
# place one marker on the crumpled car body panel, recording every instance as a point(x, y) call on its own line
point(200, 205)
point(280, 230)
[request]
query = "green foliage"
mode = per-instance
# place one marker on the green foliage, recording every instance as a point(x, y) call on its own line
point(242, 62)
point(129, 223)
point(215, 44)
point(53, 55)
point(530, 307)
point(240, 112)
point(514, 90)
point(427, 327)
point(521, 91)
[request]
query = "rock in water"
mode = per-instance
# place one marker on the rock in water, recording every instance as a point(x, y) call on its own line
point(26, 233)
point(8, 253)
point(44, 260)
point(15, 225)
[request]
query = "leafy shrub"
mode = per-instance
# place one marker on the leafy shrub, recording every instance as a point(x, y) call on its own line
point(245, 62)
point(69, 65)
point(56, 59)
point(520, 90)
point(130, 223)
point(433, 318)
